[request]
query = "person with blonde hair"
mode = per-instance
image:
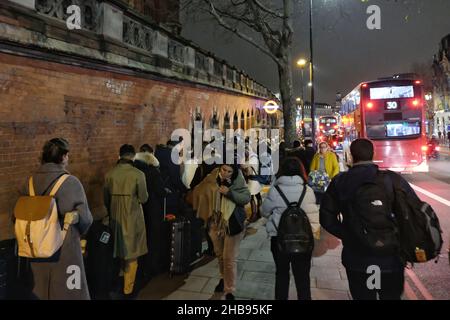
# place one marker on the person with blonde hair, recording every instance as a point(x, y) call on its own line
point(324, 167)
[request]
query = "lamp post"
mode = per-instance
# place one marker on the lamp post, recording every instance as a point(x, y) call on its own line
point(311, 75)
point(302, 63)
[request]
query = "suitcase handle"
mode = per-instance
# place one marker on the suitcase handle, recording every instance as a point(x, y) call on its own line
point(165, 207)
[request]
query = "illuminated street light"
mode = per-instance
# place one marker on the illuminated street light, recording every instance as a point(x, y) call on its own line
point(428, 97)
point(310, 84)
point(301, 63)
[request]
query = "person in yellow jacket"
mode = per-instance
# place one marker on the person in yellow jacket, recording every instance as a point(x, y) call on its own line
point(324, 160)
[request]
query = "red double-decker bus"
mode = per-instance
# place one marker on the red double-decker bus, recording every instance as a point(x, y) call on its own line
point(328, 125)
point(391, 113)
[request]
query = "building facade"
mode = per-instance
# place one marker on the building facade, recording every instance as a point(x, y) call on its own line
point(122, 78)
point(441, 88)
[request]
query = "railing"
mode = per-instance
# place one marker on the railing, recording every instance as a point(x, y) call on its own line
point(112, 19)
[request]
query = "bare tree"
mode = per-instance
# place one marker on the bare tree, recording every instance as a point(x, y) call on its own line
point(267, 25)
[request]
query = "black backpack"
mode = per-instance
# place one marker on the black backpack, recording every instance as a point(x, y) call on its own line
point(370, 221)
point(420, 230)
point(294, 232)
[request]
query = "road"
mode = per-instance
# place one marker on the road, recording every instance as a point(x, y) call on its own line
point(432, 280)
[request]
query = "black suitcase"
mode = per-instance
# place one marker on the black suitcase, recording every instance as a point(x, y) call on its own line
point(7, 258)
point(101, 267)
point(180, 246)
point(9, 283)
point(197, 232)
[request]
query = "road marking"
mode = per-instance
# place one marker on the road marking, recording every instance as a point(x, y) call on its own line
point(426, 294)
point(431, 195)
point(409, 292)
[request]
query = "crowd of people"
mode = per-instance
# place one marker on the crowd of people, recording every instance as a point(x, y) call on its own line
point(144, 186)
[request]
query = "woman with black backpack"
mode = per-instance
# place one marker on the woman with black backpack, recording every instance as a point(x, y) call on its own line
point(291, 184)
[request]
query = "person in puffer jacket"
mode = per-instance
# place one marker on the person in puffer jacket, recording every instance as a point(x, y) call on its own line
point(291, 183)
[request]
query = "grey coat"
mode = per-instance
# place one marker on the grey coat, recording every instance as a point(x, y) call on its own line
point(273, 205)
point(51, 276)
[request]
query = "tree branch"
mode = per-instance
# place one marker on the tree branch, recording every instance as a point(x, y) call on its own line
point(265, 9)
point(239, 33)
point(269, 36)
point(288, 29)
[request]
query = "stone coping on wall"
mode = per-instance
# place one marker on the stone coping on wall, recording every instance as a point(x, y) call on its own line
point(122, 38)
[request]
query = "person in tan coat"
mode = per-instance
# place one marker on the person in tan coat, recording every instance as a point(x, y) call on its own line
point(219, 200)
point(124, 193)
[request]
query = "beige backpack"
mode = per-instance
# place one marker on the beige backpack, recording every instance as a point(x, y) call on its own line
point(38, 230)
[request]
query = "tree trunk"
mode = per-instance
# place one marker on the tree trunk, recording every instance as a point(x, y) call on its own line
point(289, 107)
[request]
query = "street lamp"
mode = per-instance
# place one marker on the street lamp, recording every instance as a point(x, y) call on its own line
point(302, 63)
point(311, 74)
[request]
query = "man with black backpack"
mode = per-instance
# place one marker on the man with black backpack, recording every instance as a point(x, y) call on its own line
point(359, 208)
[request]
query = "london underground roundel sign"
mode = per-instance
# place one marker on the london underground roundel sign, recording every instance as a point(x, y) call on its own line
point(270, 107)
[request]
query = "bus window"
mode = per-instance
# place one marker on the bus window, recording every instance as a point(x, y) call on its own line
point(403, 129)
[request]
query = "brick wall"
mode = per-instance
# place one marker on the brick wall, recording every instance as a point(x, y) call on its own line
point(96, 111)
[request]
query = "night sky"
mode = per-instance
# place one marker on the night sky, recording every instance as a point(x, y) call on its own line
point(346, 52)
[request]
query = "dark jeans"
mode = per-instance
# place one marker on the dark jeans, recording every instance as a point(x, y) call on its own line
point(319, 196)
point(391, 286)
point(301, 265)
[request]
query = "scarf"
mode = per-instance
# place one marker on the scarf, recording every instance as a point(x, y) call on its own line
point(223, 208)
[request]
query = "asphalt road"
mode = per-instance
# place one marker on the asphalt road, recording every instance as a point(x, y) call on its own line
point(432, 280)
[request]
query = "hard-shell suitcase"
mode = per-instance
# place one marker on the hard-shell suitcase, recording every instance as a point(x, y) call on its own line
point(180, 246)
point(197, 232)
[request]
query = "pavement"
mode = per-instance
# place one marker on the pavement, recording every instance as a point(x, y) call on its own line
point(256, 268)
point(256, 273)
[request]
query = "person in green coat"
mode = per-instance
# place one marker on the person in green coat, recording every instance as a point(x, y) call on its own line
point(125, 191)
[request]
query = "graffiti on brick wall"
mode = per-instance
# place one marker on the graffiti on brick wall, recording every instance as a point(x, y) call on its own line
point(6, 80)
point(118, 87)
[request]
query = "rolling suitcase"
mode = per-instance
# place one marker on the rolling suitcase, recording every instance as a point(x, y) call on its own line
point(101, 267)
point(7, 259)
point(197, 231)
point(11, 285)
point(180, 246)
